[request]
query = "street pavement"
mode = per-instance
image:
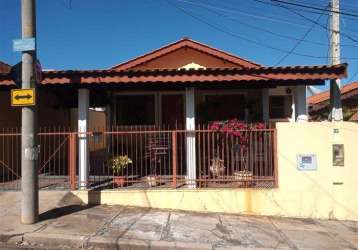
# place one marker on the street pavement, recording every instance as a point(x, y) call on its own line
point(66, 223)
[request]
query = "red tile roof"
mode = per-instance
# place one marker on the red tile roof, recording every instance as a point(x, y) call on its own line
point(4, 67)
point(287, 75)
point(324, 96)
point(189, 44)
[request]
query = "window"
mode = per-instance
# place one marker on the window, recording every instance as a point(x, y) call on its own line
point(222, 107)
point(280, 107)
point(136, 110)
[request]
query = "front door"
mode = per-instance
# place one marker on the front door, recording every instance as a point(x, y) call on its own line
point(173, 111)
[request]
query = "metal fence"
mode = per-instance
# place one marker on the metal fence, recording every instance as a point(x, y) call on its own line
point(56, 160)
point(10, 160)
point(157, 158)
point(150, 150)
point(224, 160)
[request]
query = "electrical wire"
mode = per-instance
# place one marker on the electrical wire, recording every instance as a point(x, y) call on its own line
point(325, 2)
point(263, 17)
point(314, 8)
point(307, 18)
point(316, 12)
point(299, 42)
point(345, 4)
point(211, 9)
point(274, 19)
point(319, 13)
point(218, 28)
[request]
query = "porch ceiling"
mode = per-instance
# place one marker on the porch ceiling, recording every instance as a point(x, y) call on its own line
point(304, 75)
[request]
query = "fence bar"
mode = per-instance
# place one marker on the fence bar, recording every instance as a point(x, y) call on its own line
point(174, 158)
point(72, 150)
point(275, 160)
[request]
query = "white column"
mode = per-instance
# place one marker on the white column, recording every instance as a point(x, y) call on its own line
point(190, 137)
point(300, 103)
point(83, 154)
point(265, 105)
point(293, 109)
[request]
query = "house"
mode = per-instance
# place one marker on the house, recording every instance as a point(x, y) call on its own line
point(319, 104)
point(156, 109)
point(165, 81)
point(152, 117)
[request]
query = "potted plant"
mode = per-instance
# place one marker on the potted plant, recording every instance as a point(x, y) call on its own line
point(243, 177)
point(118, 164)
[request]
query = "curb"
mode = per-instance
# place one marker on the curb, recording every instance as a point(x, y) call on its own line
point(113, 243)
point(107, 242)
point(56, 240)
point(80, 241)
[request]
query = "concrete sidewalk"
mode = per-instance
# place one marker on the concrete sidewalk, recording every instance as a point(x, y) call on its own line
point(68, 224)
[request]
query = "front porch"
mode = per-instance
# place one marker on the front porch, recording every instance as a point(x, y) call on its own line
point(167, 136)
point(170, 109)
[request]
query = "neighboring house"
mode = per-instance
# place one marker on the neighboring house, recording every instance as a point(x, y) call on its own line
point(319, 104)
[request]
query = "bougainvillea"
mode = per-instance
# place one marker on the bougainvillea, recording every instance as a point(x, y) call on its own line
point(240, 132)
point(237, 128)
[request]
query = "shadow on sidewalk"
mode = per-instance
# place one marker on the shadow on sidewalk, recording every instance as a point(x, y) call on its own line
point(62, 211)
point(68, 205)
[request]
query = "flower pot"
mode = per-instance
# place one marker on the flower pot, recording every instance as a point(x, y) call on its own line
point(152, 181)
point(243, 177)
point(119, 181)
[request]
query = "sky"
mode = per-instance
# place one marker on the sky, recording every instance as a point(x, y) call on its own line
point(98, 34)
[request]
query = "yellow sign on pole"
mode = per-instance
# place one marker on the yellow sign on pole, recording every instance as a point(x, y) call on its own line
point(23, 97)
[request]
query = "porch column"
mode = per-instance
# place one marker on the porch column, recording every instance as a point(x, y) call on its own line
point(190, 137)
point(83, 154)
point(300, 104)
point(265, 105)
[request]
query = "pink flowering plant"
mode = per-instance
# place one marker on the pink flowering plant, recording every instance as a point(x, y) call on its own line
point(238, 129)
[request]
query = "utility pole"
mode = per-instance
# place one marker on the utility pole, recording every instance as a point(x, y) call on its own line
point(336, 113)
point(29, 148)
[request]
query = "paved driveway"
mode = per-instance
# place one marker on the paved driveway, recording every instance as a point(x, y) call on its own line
point(66, 223)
